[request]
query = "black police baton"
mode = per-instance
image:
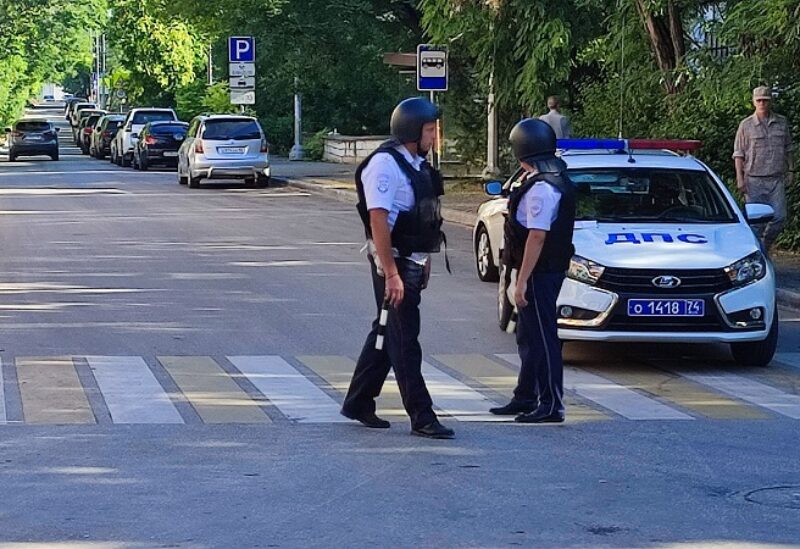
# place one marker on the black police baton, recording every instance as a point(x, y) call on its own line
point(382, 321)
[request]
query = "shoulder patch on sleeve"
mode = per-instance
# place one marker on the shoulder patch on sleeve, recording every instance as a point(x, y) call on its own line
point(383, 182)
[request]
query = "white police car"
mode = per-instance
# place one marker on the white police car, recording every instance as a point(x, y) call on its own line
point(662, 252)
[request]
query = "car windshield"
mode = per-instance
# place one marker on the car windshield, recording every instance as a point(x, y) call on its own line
point(648, 195)
point(169, 128)
point(33, 126)
point(113, 124)
point(143, 117)
point(238, 130)
point(83, 106)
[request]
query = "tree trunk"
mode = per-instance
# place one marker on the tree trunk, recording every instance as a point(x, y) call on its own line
point(666, 39)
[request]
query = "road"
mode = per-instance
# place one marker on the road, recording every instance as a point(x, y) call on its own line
point(173, 361)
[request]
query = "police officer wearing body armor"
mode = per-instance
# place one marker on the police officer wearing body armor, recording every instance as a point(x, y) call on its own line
point(399, 204)
point(538, 245)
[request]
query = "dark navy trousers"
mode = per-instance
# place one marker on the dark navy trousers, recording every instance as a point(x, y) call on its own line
point(401, 351)
point(541, 377)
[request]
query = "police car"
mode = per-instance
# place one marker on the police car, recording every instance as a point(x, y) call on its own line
point(662, 251)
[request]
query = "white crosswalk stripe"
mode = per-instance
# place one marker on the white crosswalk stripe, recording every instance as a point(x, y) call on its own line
point(131, 391)
point(457, 399)
point(750, 391)
point(133, 394)
point(612, 396)
point(289, 390)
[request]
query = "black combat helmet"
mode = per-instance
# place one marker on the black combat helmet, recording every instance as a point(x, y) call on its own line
point(534, 142)
point(409, 116)
point(533, 139)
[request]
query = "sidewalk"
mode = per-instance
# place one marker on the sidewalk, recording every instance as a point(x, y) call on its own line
point(460, 205)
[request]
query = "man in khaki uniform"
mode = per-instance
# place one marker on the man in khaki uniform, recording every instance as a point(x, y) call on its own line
point(762, 152)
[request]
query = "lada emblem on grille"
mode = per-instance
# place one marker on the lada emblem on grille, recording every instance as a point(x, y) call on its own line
point(666, 281)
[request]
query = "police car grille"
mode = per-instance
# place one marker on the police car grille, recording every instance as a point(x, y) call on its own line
point(640, 281)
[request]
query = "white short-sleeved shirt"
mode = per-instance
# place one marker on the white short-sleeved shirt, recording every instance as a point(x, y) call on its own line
point(386, 187)
point(538, 207)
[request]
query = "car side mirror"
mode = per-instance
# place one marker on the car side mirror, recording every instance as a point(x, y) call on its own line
point(7, 130)
point(493, 188)
point(758, 213)
point(58, 130)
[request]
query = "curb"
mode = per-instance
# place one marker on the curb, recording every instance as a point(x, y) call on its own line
point(785, 298)
point(788, 298)
point(346, 195)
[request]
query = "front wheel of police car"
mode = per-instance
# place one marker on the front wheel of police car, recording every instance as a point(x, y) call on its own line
point(758, 353)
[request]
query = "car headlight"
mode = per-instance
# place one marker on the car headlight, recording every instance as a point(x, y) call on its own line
point(584, 270)
point(751, 268)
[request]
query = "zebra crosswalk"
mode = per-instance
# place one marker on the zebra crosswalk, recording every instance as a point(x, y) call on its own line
point(264, 389)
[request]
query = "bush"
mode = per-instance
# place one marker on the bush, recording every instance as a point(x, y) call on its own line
point(315, 144)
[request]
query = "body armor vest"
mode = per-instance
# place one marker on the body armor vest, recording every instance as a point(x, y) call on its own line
point(419, 229)
point(558, 249)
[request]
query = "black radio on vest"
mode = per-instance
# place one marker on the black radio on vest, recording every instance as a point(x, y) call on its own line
point(558, 249)
point(419, 229)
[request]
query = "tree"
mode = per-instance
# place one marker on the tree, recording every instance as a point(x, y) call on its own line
point(161, 51)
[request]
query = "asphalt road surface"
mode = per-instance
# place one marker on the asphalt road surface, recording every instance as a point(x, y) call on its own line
point(173, 361)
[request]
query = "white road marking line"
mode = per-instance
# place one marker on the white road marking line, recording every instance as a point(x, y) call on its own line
point(3, 416)
point(289, 390)
point(457, 399)
point(131, 391)
point(614, 397)
point(785, 404)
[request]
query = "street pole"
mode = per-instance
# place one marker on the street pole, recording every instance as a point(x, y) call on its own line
point(210, 67)
point(437, 153)
point(491, 170)
point(297, 152)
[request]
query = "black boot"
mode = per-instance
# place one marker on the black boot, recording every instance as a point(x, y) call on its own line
point(541, 415)
point(370, 420)
point(434, 430)
point(513, 408)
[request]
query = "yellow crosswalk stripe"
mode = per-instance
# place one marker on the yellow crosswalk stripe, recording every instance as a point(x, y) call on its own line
point(503, 379)
point(51, 391)
point(211, 391)
point(337, 372)
point(674, 389)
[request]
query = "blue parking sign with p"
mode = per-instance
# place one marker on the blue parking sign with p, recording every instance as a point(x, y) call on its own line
point(241, 49)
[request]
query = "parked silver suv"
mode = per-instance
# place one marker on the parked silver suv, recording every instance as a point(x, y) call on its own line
point(224, 146)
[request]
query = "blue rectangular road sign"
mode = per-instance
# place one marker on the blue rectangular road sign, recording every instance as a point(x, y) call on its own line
point(241, 49)
point(432, 71)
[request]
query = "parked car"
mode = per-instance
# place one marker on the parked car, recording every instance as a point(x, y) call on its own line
point(69, 105)
point(224, 146)
point(128, 134)
point(663, 253)
point(105, 130)
point(31, 138)
point(80, 117)
point(158, 143)
point(74, 116)
point(86, 129)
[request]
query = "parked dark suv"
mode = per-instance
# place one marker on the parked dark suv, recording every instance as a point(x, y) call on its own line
point(158, 144)
point(104, 132)
point(31, 138)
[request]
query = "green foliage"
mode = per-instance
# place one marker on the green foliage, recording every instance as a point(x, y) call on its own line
point(314, 145)
point(161, 51)
point(42, 41)
point(578, 49)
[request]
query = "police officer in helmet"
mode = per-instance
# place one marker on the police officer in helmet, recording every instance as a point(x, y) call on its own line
point(399, 204)
point(538, 246)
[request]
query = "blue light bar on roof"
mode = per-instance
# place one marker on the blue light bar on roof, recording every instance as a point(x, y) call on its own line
point(591, 144)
